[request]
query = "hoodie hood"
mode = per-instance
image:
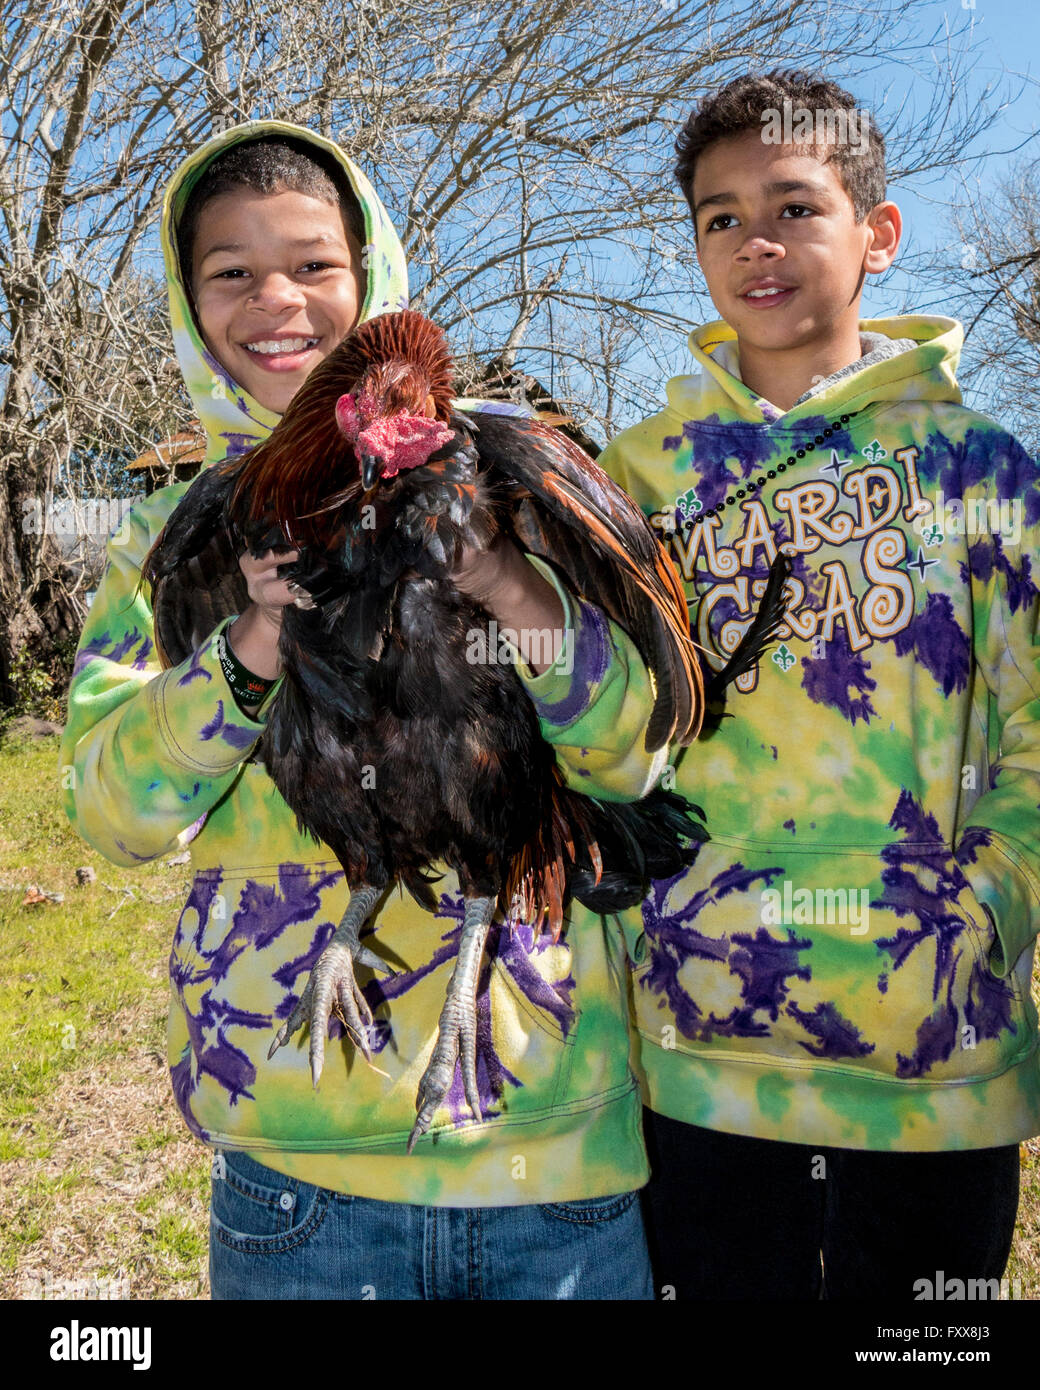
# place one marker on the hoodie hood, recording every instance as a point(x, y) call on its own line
point(921, 367)
point(233, 420)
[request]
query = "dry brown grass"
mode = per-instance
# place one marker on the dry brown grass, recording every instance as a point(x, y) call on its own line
point(122, 1192)
point(1024, 1263)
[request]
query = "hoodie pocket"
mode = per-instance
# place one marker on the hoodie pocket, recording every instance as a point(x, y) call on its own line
point(873, 959)
point(242, 953)
point(244, 938)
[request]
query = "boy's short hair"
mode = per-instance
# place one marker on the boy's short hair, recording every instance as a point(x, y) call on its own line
point(748, 103)
point(268, 164)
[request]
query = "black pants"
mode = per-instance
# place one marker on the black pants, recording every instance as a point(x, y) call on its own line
point(737, 1218)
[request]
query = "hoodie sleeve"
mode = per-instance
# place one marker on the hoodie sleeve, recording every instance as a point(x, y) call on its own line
point(595, 702)
point(145, 753)
point(999, 849)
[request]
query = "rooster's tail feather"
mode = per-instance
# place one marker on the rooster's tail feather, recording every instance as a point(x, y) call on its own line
point(656, 838)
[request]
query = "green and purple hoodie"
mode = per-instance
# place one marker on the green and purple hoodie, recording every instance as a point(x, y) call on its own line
point(848, 961)
point(165, 760)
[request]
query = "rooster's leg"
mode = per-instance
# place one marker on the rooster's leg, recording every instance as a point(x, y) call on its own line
point(332, 986)
point(457, 1029)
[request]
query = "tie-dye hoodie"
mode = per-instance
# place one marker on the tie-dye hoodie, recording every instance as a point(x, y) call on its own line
point(828, 971)
point(164, 760)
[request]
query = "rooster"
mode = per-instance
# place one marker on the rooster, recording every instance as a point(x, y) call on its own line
point(379, 483)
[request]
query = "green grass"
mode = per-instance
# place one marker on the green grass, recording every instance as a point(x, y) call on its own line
point(100, 1176)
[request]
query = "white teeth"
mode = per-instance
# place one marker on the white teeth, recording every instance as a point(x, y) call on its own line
point(760, 294)
point(279, 345)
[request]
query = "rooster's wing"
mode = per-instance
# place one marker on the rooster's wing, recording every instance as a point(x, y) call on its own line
point(562, 506)
point(193, 569)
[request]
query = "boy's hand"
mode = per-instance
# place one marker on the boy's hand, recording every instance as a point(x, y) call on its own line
point(501, 580)
point(496, 573)
point(270, 593)
point(254, 634)
point(478, 572)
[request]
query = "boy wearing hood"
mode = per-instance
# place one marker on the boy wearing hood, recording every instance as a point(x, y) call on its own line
point(265, 276)
point(836, 1035)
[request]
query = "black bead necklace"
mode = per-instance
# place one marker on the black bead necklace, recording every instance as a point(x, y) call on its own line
point(753, 484)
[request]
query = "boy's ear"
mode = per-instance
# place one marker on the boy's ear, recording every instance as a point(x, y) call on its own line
point(885, 223)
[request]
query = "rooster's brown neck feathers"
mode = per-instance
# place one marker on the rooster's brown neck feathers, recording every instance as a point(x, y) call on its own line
point(402, 359)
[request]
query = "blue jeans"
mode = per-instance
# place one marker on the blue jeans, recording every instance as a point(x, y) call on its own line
point(272, 1236)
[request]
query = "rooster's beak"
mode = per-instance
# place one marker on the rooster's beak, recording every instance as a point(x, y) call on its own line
point(370, 469)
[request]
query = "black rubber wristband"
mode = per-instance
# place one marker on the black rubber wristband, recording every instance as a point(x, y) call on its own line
point(247, 688)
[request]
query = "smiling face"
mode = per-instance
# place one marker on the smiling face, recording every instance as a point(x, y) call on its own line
point(783, 255)
point(277, 282)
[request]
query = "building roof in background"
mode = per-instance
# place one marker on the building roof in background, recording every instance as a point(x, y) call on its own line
point(187, 446)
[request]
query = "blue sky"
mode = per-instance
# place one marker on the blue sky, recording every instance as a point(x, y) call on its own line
point(1001, 46)
point(1007, 37)
point(1004, 76)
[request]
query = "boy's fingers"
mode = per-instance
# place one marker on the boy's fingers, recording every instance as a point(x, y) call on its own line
point(264, 584)
point(269, 560)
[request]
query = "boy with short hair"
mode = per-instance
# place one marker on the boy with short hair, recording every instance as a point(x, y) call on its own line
point(275, 246)
point(836, 1036)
